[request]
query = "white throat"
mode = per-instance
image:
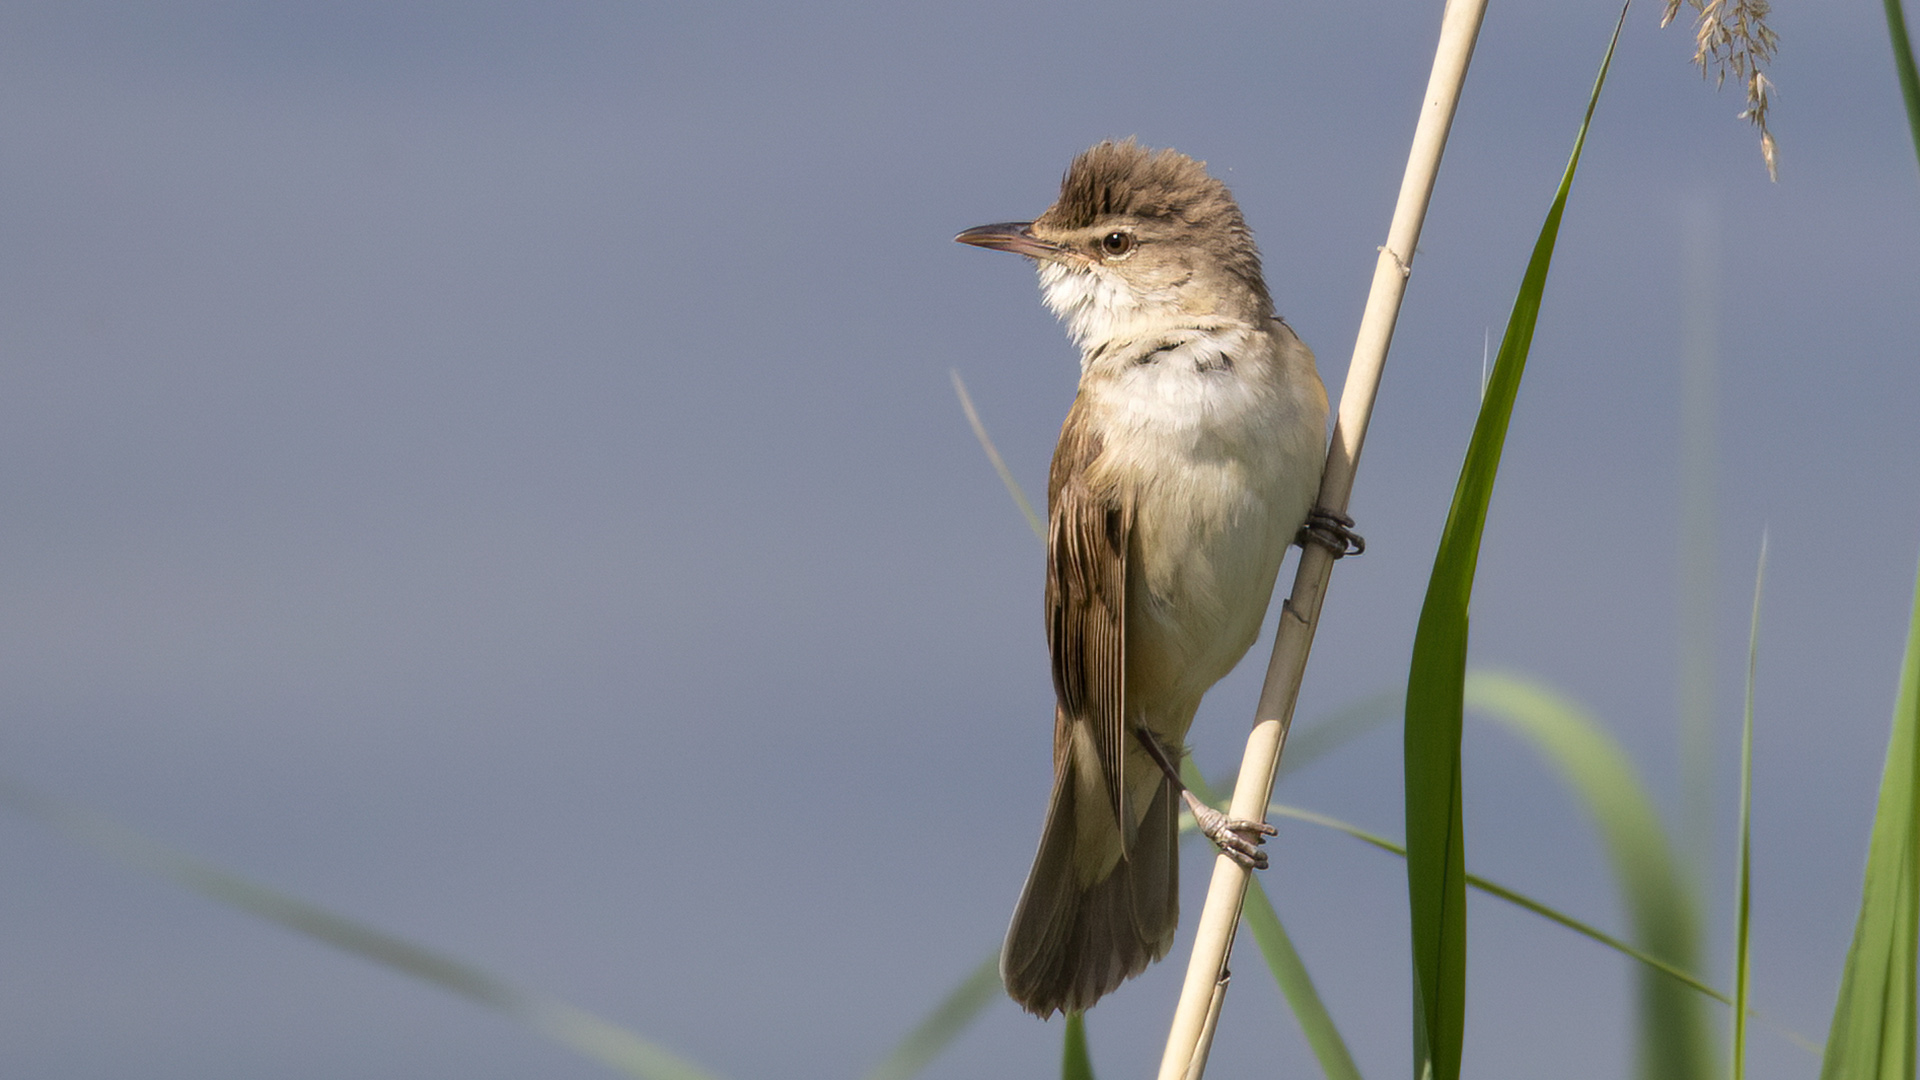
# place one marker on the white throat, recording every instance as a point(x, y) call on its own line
point(1101, 307)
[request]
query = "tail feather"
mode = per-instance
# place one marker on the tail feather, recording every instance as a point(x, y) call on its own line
point(1072, 942)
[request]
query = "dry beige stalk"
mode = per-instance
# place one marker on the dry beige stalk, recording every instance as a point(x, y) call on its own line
point(1198, 1010)
point(1731, 37)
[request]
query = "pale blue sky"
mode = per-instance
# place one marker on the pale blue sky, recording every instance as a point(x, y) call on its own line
point(491, 469)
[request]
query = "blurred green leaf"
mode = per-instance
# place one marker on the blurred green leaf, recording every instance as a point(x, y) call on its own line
point(1743, 883)
point(1903, 65)
point(576, 1029)
point(1872, 1035)
point(1525, 902)
point(1436, 842)
point(949, 1018)
point(1034, 520)
point(1675, 1041)
point(1290, 971)
point(1310, 743)
point(1075, 1063)
point(1514, 897)
point(1276, 948)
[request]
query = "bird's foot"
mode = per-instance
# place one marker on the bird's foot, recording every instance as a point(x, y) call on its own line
point(1237, 839)
point(1332, 530)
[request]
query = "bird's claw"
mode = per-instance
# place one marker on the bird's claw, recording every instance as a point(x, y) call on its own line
point(1332, 530)
point(1237, 838)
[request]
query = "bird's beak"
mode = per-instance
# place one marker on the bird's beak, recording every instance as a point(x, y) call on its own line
point(1014, 236)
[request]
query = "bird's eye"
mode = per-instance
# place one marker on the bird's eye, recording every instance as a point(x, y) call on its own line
point(1116, 243)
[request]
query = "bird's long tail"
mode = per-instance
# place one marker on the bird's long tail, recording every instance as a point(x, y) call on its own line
point(1082, 928)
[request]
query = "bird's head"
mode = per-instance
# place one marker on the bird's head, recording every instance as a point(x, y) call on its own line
point(1138, 238)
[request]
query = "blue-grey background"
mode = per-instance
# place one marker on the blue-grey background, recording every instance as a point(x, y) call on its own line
point(491, 469)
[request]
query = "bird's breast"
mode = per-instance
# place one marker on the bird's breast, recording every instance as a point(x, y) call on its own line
point(1217, 443)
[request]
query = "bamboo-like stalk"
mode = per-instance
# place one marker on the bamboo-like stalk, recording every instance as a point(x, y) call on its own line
point(1198, 1011)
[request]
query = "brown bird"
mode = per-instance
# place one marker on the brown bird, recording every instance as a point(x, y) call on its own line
point(1187, 464)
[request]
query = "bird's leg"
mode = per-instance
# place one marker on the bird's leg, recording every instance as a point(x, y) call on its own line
point(1237, 839)
point(1332, 530)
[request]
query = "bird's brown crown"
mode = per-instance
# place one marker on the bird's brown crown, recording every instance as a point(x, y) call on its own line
point(1190, 234)
point(1127, 178)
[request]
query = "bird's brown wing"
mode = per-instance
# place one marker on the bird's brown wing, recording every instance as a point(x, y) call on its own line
point(1088, 535)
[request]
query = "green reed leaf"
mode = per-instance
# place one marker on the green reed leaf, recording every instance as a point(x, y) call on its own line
point(1872, 1034)
point(1436, 841)
point(1903, 66)
point(1743, 883)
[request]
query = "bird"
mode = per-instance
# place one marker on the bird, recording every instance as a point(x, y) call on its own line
point(1189, 461)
